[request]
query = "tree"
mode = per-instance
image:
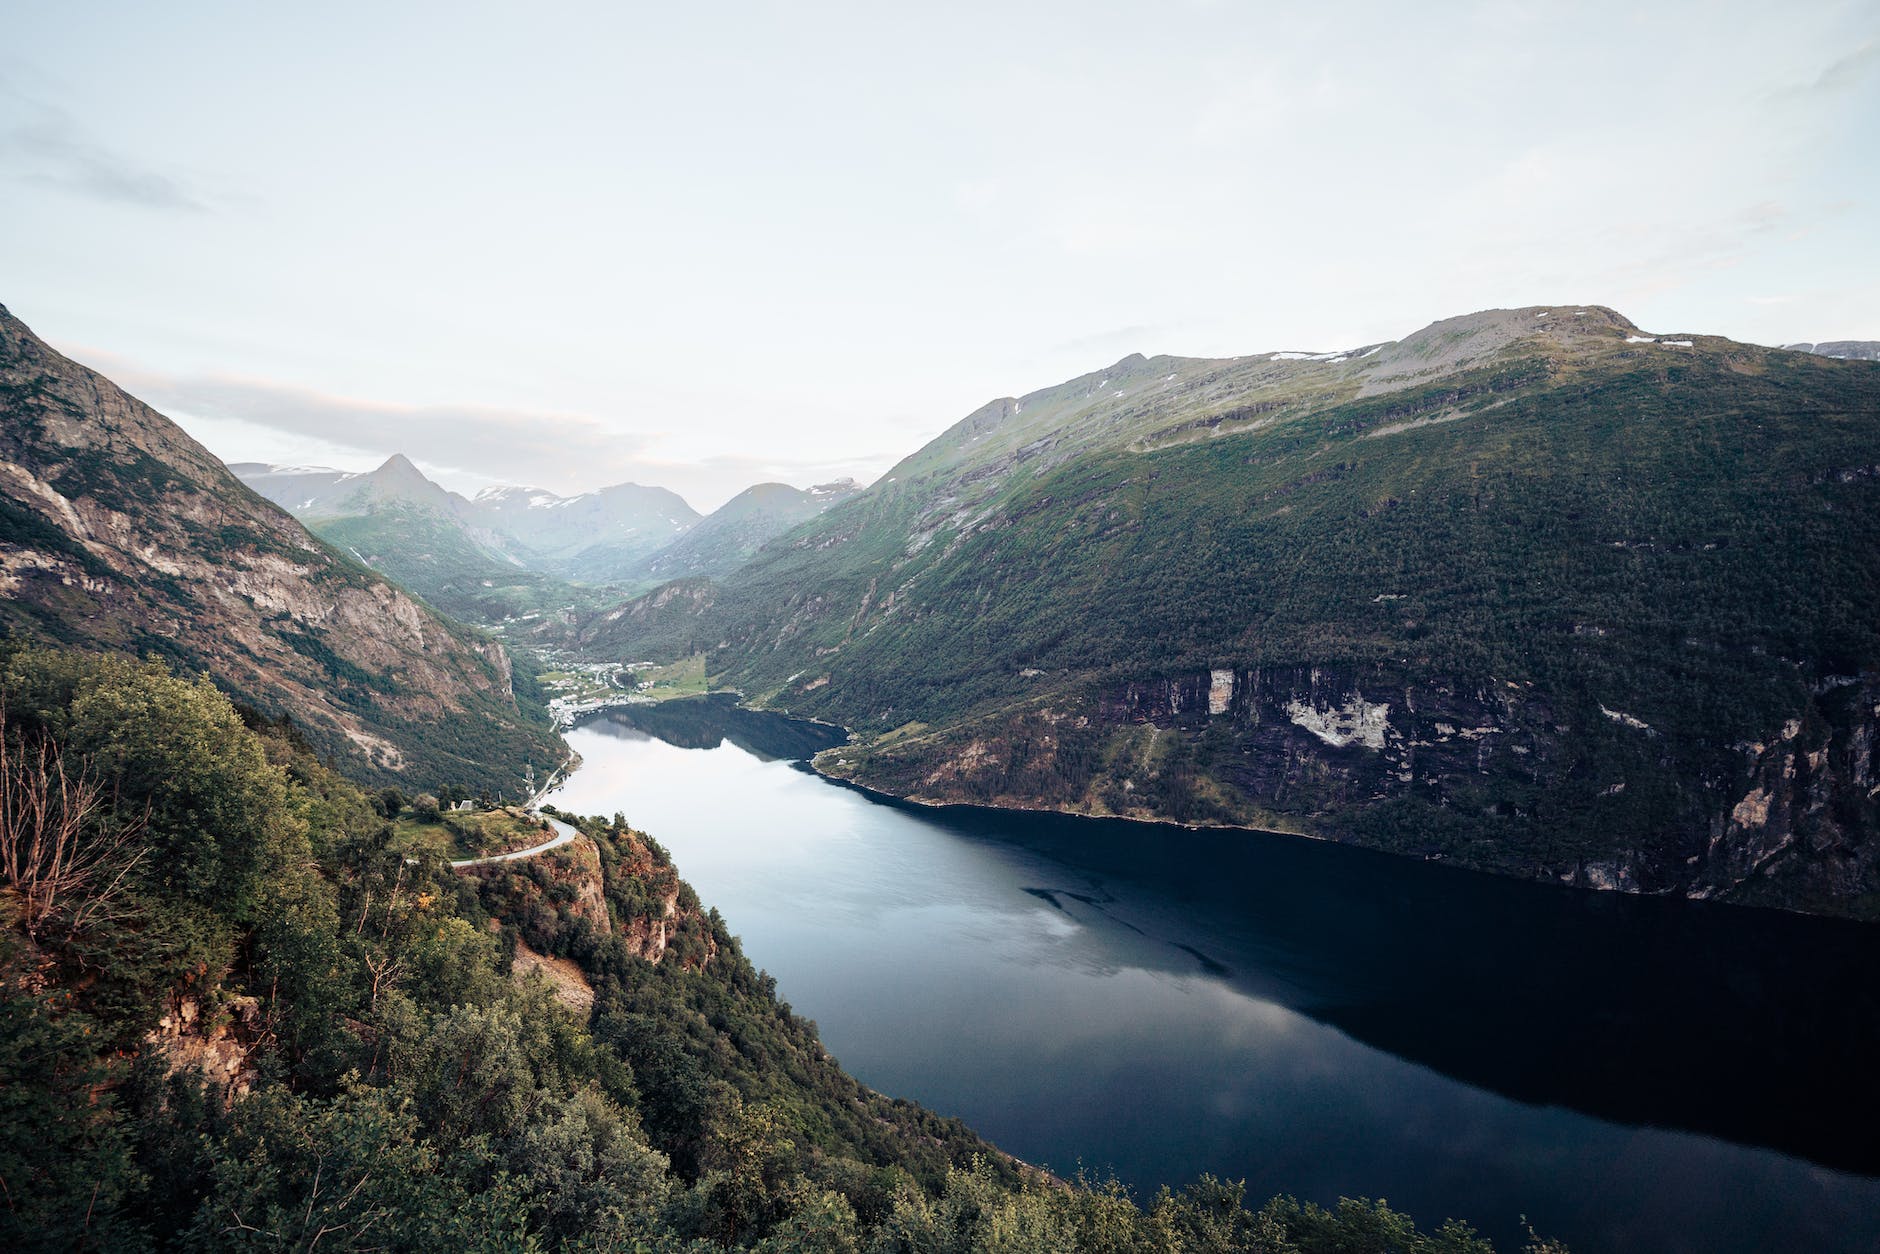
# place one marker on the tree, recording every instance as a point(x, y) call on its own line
point(60, 848)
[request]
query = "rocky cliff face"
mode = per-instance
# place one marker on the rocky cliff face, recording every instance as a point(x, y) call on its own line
point(608, 882)
point(1807, 803)
point(217, 1048)
point(1498, 777)
point(118, 531)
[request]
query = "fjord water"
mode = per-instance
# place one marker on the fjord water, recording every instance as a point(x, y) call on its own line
point(1629, 1074)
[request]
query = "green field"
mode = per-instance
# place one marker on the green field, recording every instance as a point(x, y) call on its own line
point(683, 678)
point(466, 834)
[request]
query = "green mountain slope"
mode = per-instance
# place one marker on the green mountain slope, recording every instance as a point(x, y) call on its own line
point(727, 537)
point(455, 553)
point(119, 532)
point(1530, 590)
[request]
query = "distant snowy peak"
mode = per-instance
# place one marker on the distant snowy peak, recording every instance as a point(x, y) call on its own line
point(830, 493)
point(1850, 350)
point(521, 498)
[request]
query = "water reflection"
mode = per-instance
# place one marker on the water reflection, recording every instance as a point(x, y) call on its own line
point(1316, 1019)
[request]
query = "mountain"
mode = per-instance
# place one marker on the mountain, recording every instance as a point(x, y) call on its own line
point(311, 492)
point(417, 533)
point(508, 553)
point(1849, 350)
point(119, 532)
point(1530, 591)
point(727, 537)
point(597, 537)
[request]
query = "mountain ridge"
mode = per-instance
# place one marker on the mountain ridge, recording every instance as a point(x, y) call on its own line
point(513, 551)
point(1360, 594)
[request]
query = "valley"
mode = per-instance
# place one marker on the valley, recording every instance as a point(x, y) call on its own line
point(1516, 594)
point(958, 629)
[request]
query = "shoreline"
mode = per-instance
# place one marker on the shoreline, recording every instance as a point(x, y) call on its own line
point(921, 805)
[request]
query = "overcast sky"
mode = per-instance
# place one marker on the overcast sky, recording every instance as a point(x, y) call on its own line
point(703, 245)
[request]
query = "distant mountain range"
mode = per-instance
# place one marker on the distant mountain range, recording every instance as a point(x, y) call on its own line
point(119, 532)
point(513, 551)
point(1531, 590)
point(1847, 350)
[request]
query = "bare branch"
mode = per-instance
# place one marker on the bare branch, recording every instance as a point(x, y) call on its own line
point(62, 849)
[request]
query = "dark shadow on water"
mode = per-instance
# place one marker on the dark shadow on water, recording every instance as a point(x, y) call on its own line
point(1750, 1025)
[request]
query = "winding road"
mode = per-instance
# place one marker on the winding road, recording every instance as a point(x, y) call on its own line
point(564, 833)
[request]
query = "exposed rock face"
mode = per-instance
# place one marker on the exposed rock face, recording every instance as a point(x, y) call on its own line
point(1220, 691)
point(582, 863)
point(568, 875)
point(1366, 755)
point(216, 1045)
point(648, 935)
point(627, 889)
point(564, 976)
point(1309, 740)
point(649, 931)
point(1356, 721)
point(118, 531)
point(1806, 802)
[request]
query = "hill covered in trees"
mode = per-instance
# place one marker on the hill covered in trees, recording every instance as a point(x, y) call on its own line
point(234, 1016)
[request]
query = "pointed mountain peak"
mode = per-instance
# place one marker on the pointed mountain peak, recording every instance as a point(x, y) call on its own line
point(400, 466)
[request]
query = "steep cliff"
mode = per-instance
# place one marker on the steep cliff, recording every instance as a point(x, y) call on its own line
point(1497, 778)
point(119, 532)
point(610, 881)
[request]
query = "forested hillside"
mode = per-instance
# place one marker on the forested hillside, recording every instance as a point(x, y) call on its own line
point(1531, 590)
point(234, 1016)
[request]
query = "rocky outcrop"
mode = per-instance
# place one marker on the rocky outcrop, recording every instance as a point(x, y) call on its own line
point(549, 894)
point(216, 1044)
point(578, 863)
point(565, 977)
point(1808, 806)
point(1311, 739)
point(648, 935)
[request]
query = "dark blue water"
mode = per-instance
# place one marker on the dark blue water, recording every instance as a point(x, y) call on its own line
point(1629, 1074)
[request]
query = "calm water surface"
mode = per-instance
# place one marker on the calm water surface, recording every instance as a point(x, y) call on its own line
point(1630, 1075)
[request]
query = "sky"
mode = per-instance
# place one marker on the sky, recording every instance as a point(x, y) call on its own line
point(711, 244)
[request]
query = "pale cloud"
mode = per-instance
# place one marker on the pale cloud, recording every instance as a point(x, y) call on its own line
point(1841, 73)
point(977, 197)
point(53, 150)
point(464, 447)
